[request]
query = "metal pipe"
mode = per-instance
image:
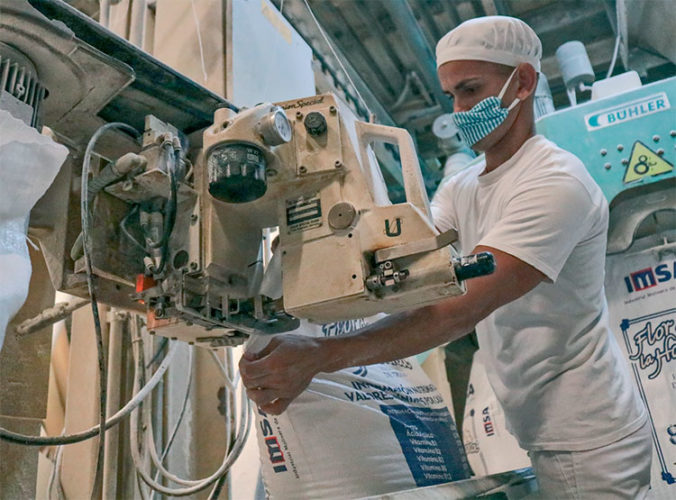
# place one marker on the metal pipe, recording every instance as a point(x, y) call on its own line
point(118, 320)
point(49, 316)
point(104, 13)
point(403, 17)
point(137, 23)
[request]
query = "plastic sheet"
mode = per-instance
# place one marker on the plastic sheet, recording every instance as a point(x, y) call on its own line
point(29, 163)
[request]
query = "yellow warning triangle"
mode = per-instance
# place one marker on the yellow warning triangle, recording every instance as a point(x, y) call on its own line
point(644, 162)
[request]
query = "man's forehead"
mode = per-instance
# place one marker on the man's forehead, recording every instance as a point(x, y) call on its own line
point(455, 73)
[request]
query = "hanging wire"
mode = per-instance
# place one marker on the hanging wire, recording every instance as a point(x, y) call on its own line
point(15, 437)
point(85, 218)
point(136, 437)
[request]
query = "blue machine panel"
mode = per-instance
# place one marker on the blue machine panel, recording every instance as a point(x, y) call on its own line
point(625, 140)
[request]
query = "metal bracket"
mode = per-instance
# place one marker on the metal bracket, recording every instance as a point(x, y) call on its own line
point(416, 247)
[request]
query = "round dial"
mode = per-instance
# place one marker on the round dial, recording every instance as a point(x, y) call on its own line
point(282, 125)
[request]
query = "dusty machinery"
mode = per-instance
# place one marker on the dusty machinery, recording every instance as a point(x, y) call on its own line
point(179, 198)
point(191, 234)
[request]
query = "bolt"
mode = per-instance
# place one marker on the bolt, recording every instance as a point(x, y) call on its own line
point(607, 166)
point(656, 138)
point(302, 170)
point(338, 164)
point(299, 115)
point(604, 152)
point(332, 110)
point(193, 266)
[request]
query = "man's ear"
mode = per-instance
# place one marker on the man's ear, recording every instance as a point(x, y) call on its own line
point(528, 80)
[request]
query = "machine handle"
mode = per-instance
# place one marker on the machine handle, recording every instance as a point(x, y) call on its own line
point(472, 266)
point(414, 185)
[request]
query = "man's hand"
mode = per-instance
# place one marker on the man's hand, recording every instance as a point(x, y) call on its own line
point(280, 372)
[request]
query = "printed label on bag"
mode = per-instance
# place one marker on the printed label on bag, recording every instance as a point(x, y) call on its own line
point(424, 435)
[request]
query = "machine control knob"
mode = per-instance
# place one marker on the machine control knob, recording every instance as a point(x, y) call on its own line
point(472, 266)
point(236, 172)
point(315, 123)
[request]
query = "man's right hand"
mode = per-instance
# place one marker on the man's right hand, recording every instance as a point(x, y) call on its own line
point(279, 373)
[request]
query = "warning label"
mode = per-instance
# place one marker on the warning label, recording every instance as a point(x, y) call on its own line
point(644, 162)
point(303, 213)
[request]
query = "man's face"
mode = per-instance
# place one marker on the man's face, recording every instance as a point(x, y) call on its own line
point(469, 82)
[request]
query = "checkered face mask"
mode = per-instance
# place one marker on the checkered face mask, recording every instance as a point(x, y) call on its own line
point(484, 117)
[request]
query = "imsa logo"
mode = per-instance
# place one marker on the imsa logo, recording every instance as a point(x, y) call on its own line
point(650, 277)
point(275, 453)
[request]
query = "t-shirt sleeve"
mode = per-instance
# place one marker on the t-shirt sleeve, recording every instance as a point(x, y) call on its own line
point(442, 207)
point(543, 222)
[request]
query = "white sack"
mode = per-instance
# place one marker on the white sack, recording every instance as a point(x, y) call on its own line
point(641, 290)
point(29, 163)
point(359, 432)
point(490, 447)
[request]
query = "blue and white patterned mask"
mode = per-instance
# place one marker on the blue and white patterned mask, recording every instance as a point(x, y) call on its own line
point(484, 117)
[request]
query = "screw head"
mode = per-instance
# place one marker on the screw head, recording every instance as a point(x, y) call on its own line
point(607, 166)
point(620, 147)
point(332, 110)
point(299, 115)
point(604, 152)
point(193, 266)
point(656, 138)
point(302, 169)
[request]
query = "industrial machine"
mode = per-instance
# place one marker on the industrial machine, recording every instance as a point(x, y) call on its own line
point(176, 226)
point(190, 235)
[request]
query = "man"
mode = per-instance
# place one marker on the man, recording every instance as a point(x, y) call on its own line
point(541, 317)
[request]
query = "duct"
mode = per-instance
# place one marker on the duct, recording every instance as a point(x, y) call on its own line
point(651, 25)
point(413, 37)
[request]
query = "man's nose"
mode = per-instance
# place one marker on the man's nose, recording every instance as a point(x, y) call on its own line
point(461, 105)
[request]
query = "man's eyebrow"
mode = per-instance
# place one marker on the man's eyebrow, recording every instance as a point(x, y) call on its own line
point(464, 83)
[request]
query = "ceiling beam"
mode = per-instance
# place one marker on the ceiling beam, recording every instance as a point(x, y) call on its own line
point(403, 17)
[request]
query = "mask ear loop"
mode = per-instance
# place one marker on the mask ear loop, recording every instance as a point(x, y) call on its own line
point(504, 89)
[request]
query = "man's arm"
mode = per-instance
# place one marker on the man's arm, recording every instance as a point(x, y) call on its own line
point(283, 369)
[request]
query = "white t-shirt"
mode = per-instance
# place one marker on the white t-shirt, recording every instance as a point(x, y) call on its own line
point(551, 357)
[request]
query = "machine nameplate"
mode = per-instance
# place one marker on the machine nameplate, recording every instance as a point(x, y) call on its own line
point(627, 111)
point(644, 162)
point(303, 213)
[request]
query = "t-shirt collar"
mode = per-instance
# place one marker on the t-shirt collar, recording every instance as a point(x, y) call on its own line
point(486, 179)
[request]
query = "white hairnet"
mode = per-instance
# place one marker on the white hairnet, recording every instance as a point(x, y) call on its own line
point(499, 39)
